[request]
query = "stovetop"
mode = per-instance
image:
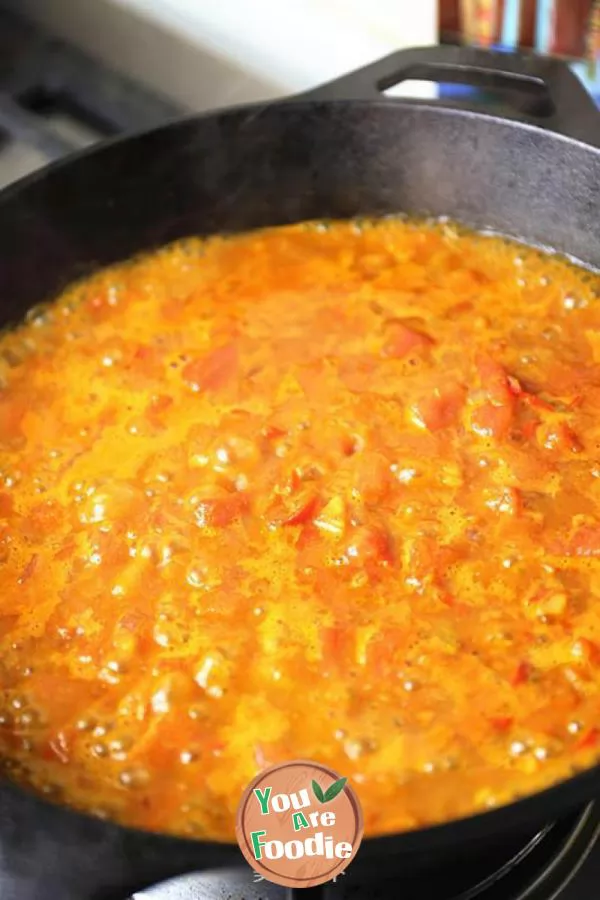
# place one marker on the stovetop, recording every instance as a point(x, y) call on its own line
point(559, 862)
point(54, 99)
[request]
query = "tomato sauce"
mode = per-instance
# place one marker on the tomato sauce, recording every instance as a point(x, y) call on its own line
point(321, 491)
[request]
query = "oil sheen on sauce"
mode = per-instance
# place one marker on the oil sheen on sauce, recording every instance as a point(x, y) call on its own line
point(329, 491)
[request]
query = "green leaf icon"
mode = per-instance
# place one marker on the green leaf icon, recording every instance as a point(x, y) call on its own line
point(334, 789)
point(318, 792)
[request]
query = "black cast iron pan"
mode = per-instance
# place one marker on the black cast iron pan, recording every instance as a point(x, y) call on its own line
point(340, 151)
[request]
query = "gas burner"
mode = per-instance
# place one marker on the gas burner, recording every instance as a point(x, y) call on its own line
point(544, 867)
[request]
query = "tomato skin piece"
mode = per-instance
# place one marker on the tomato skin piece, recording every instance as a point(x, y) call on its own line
point(293, 501)
point(521, 674)
point(29, 569)
point(272, 432)
point(305, 505)
point(536, 402)
point(294, 510)
point(402, 341)
point(514, 386)
point(502, 723)
point(588, 740)
point(213, 371)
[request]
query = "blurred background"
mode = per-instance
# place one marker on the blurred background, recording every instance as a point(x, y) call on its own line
point(75, 71)
point(565, 28)
point(569, 29)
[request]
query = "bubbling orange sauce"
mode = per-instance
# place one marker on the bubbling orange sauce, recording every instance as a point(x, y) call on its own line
point(326, 492)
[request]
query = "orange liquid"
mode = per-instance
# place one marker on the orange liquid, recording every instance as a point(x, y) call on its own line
point(310, 492)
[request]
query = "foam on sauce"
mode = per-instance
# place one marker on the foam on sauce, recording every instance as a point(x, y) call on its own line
point(326, 492)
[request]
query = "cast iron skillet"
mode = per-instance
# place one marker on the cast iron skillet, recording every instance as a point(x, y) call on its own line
point(340, 151)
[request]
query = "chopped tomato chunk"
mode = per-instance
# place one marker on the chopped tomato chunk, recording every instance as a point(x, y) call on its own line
point(296, 509)
point(499, 387)
point(6, 504)
point(495, 401)
point(584, 542)
point(370, 543)
point(439, 409)
point(558, 437)
point(372, 477)
point(489, 419)
point(588, 739)
point(213, 371)
point(400, 341)
point(521, 674)
point(502, 723)
point(221, 511)
point(337, 644)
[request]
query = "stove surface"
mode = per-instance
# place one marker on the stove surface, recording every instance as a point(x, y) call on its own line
point(560, 862)
point(54, 100)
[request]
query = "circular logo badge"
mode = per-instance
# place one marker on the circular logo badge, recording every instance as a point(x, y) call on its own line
point(299, 824)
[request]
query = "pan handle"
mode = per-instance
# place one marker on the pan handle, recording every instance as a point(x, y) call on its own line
point(550, 94)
